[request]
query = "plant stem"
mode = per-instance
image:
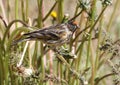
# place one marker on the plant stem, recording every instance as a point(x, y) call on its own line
point(93, 9)
point(16, 11)
point(22, 8)
point(113, 15)
point(103, 77)
point(40, 24)
point(60, 10)
point(98, 44)
point(27, 10)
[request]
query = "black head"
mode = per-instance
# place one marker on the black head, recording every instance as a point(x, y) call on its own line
point(73, 26)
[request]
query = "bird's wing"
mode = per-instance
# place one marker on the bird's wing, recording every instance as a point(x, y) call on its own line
point(50, 33)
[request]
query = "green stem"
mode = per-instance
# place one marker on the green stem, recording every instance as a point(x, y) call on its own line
point(8, 10)
point(60, 10)
point(60, 18)
point(9, 26)
point(1, 67)
point(76, 16)
point(88, 51)
point(103, 77)
point(16, 11)
point(113, 15)
point(22, 8)
point(97, 19)
point(40, 24)
point(98, 43)
point(93, 9)
point(27, 10)
point(40, 13)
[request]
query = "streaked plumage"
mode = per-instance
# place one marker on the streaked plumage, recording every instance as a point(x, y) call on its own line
point(53, 35)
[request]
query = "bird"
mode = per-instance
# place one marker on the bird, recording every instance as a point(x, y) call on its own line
point(52, 36)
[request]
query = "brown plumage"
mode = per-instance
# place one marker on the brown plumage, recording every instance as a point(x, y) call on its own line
point(53, 35)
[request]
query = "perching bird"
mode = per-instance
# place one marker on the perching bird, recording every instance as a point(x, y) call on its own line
point(52, 36)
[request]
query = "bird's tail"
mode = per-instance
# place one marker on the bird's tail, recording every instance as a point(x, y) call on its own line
point(15, 42)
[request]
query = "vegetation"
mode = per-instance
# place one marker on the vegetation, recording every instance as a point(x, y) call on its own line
point(91, 58)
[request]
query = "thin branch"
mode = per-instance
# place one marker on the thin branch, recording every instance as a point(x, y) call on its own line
point(103, 77)
point(9, 26)
point(76, 16)
point(98, 19)
point(87, 39)
point(116, 41)
point(79, 34)
point(3, 21)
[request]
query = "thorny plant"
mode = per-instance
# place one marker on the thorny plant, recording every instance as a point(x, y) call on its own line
point(113, 48)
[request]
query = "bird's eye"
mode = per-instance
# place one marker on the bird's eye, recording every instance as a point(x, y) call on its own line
point(74, 26)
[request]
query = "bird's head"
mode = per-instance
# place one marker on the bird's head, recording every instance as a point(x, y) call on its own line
point(73, 26)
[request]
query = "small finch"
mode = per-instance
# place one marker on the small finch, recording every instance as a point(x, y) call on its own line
point(52, 36)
